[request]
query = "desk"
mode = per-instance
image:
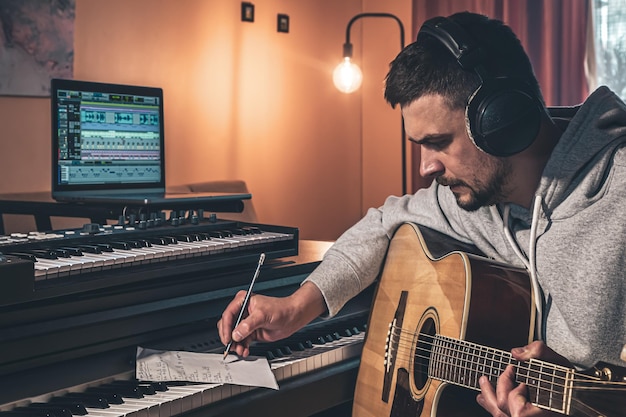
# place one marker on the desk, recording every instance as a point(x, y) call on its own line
point(41, 205)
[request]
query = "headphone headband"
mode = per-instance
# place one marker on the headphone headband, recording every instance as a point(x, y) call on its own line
point(503, 114)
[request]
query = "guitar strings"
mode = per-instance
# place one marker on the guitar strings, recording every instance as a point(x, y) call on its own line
point(551, 399)
point(501, 359)
point(489, 362)
point(584, 409)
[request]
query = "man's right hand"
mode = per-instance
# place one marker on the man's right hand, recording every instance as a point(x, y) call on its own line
point(268, 319)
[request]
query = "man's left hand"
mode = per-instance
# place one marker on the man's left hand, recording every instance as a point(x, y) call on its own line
point(510, 399)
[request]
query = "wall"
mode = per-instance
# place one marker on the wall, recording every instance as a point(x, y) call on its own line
point(241, 102)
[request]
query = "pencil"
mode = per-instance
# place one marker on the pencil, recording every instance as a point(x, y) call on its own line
point(245, 301)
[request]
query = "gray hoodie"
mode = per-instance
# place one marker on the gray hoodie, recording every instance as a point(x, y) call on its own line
point(576, 249)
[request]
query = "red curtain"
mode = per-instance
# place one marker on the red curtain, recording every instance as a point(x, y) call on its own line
point(553, 33)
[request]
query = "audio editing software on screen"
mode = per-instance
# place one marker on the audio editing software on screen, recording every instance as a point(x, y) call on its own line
point(106, 138)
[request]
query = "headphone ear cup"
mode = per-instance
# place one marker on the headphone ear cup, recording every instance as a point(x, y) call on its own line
point(503, 118)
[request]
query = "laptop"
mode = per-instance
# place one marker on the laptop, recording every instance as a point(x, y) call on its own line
point(108, 146)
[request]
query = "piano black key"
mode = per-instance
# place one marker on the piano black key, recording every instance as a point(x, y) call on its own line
point(111, 397)
point(62, 253)
point(147, 388)
point(21, 413)
point(24, 255)
point(124, 391)
point(93, 401)
point(121, 245)
point(104, 247)
point(26, 412)
point(44, 253)
point(158, 240)
point(60, 411)
point(76, 407)
point(73, 251)
point(144, 388)
point(90, 248)
point(184, 238)
point(159, 386)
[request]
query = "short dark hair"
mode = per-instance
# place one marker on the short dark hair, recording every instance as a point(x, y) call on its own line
point(426, 66)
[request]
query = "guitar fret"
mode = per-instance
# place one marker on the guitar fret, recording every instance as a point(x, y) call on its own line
point(480, 369)
point(548, 385)
point(455, 362)
point(448, 366)
point(433, 364)
point(463, 363)
point(470, 363)
point(467, 362)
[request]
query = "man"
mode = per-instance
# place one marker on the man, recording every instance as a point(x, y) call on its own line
point(525, 187)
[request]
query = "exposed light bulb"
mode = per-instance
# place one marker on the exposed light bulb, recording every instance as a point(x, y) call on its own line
point(347, 76)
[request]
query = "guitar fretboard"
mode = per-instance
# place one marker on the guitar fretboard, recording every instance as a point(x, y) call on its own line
point(462, 363)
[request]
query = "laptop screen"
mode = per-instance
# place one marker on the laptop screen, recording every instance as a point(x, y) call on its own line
point(106, 137)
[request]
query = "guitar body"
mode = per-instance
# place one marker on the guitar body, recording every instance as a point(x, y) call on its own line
point(420, 294)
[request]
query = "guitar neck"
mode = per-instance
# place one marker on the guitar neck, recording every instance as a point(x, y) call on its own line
point(462, 363)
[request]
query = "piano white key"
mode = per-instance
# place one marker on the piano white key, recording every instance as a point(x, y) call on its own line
point(131, 254)
point(147, 255)
point(194, 248)
point(107, 261)
point(44, 270)
point(205, 246)
point(89, 262)
point(53, 269)
point(119, 410)
point(94, 264)
point(117, 259)
point(134, 408)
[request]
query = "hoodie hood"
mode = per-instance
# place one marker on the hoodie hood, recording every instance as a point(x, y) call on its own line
point(578, 167)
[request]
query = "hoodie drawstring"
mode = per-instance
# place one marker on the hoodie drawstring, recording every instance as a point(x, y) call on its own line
point(530, 262)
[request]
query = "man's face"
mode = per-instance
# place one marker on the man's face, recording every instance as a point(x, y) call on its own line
point(449, 156)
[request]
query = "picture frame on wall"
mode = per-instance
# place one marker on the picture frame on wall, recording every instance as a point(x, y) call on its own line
point(36, 45)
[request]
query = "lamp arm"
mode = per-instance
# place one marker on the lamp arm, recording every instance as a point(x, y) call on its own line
point(347, 53)
point(347, 47)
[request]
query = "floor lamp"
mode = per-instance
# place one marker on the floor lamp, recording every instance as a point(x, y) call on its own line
point(347, 76)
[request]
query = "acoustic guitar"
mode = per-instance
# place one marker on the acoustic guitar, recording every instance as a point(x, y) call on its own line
point(445, 315)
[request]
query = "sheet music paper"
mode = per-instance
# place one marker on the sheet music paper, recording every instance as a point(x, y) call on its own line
point(163, 366)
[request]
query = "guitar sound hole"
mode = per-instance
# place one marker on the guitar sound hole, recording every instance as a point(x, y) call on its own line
point(423, 349)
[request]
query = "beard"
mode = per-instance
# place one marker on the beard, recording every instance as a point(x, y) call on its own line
point(482, 192)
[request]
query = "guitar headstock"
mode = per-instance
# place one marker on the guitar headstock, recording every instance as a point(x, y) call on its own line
point(602, 394)
point(607, 372)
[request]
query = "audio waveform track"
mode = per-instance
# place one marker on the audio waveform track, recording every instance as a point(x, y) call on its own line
point(106, 174)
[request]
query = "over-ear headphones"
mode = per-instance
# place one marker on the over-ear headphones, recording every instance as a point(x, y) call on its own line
point(503, 114)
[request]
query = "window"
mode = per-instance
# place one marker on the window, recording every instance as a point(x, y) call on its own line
point(607, 55)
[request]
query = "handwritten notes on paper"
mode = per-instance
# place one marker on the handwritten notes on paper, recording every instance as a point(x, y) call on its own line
point(163, 366)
